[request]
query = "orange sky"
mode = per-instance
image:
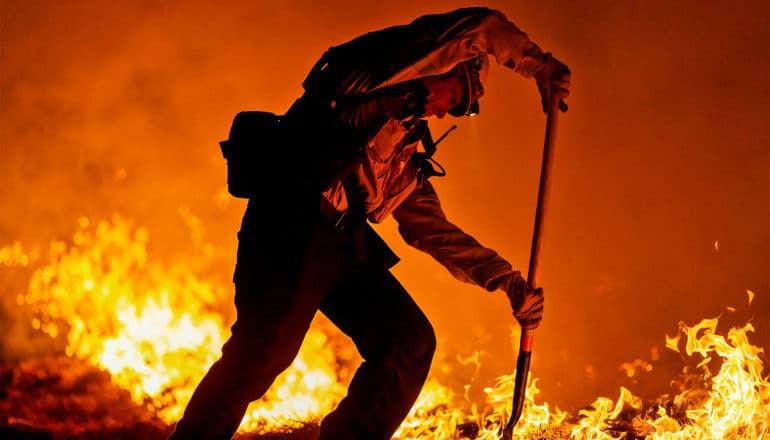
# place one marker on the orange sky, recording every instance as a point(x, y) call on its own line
point(665, 150)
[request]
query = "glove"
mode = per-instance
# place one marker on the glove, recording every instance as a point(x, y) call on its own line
point(405, 100)
point(527, 304)
point(553, 81)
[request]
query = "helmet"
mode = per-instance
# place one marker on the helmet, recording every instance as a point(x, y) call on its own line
point(473, 73)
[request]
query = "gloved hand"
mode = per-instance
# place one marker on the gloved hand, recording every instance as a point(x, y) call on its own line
point(527, 304)
point(553, 81)
point(404, 100)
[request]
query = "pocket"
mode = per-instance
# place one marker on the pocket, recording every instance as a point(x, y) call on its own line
point(396, 192)
point(387, 142)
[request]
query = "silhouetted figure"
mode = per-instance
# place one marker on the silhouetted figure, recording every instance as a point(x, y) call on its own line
point(348, 154)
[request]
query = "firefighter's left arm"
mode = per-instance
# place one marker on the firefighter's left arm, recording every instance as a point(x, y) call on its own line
point(422, 224)
point(460, 35)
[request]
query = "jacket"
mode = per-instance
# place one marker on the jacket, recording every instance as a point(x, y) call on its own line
point(353, 85)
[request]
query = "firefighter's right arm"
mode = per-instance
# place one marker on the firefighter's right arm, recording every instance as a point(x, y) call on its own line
point(422, 224)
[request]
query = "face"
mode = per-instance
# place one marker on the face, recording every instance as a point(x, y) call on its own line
point(445, 92)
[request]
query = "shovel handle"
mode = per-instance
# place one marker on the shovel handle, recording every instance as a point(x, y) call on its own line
point(525, 343)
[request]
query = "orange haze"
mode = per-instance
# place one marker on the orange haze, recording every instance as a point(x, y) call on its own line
point(664, 152)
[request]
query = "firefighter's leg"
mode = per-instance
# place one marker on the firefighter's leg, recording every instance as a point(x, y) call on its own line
point(277, 295)
point(396, 342)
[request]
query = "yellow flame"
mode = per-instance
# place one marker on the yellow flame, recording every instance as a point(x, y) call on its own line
point(632, 368)
point(157, 328)
point(14, 255)
point(594, 420)
point(672, 343)
point(436, 416)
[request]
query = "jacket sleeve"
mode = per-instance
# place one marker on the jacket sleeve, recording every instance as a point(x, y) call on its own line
point(461, 34)
point(422, 224)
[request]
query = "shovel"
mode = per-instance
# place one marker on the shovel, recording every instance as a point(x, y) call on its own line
point(525, 345)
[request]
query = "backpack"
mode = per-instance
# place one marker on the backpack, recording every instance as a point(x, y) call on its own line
point(253, 140)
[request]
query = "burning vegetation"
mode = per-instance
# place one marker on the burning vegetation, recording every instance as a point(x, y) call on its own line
point(138, 334)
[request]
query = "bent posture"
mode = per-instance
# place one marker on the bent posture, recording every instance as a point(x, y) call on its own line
point(348, 156)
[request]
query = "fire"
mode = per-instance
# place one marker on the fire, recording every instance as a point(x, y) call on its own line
point(595, 423)
point(127, 315)
point(310, 388)
point(435, 414)
point(737, 404)
point(156, 328)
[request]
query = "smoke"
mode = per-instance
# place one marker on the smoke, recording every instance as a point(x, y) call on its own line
point(664, 152)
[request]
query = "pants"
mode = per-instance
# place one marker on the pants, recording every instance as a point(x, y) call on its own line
point(285, 272)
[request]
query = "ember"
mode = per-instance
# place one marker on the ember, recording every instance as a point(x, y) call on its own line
point(139, 334)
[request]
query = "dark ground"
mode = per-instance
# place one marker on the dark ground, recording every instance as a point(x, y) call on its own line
point(65, 398)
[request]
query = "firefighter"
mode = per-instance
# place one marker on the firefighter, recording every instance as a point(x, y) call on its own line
point(349, 157)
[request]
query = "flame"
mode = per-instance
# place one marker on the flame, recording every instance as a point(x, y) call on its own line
point(435, 414)
point(738, 403)
point(128, 316)
point(156, 328)
point(632, 368)
point(309, 389)
point(603, 411)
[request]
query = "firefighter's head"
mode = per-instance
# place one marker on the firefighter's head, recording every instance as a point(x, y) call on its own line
point(457, 92)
